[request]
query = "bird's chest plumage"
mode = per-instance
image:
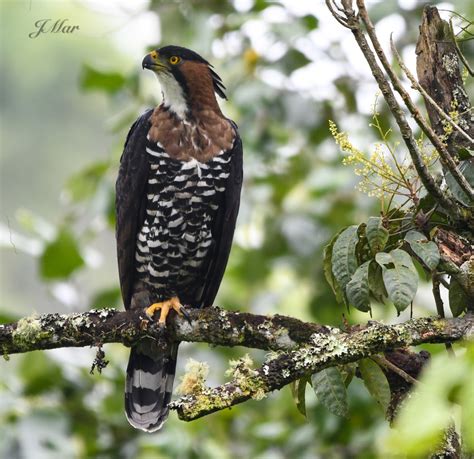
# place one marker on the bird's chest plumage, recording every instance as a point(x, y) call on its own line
point(182, 201)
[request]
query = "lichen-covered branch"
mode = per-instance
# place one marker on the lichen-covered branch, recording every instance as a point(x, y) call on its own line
point(322, 350)
point(304, 347)
point(211, 325)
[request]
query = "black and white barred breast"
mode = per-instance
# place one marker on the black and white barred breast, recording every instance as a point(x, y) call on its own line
point(175, 241)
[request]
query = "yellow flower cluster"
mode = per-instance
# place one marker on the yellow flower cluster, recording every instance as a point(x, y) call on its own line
point(383, 174)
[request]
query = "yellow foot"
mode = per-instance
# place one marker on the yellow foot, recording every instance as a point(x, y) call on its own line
point(164, 307)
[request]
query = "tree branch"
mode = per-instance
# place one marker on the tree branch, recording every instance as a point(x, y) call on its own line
point(304, 347)
point(321, 351)
point(211, 325)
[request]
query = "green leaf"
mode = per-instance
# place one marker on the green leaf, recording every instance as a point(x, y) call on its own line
point(327, 268)
point(61, 257)
point(344, 261)
point(376, 285)
point(376, 382)
point(84, 184)
point(377, 234)
point(399, 276)
point(357, 290)
point(457, 298)
point(293, 60)
point(310, 21)
point(298, 390)
point(92, 78)
point(330, 389)
point(464, 154)
point(467, 169)
point(426, 250)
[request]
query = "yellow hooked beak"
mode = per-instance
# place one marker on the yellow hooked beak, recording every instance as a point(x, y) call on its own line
point(153, 62)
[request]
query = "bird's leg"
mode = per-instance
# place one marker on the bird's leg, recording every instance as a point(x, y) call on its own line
point(164, 307)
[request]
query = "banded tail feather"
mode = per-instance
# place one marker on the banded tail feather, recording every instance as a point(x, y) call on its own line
point(149, 386)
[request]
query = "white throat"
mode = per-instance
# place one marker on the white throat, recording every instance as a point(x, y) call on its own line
point(173, 96)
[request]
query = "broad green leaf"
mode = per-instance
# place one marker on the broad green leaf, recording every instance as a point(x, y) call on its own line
point(457, 298)
point(399, 276)
point(327, 268)
point(377, 235)
point(376, 285)
point(92, 78)
point(61, 257)
point(84, 184)
point(362, 249)
point(294, 59)
point(376, 382)
point(298, 390)
point(330, 389)
point(344, 261)
point(426, 250)
point(467, 169)
point(357, 290)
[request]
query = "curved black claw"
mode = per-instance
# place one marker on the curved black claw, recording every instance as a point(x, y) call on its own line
point(185, 314)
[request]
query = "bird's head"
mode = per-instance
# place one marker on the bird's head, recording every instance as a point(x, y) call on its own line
point(187, 80)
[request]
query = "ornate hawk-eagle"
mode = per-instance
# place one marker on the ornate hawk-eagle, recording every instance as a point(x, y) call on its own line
point(178, 194)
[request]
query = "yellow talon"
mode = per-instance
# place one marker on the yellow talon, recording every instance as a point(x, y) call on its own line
point(164, 307)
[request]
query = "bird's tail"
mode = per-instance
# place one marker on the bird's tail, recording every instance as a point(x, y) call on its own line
point(149, 385)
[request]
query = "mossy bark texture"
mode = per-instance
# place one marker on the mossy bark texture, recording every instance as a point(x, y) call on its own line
point(302, 348)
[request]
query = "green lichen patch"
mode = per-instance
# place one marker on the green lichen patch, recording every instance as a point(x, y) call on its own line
point(193, 382)
point(30, 330)
point(241, 368)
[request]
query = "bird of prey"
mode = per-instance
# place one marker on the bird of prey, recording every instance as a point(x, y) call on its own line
point(177, 199)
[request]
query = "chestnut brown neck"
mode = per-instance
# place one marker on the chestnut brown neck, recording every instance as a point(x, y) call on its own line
point(199, 89)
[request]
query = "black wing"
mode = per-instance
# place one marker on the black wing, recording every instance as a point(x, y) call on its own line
point(130, 201)
point(224, 226)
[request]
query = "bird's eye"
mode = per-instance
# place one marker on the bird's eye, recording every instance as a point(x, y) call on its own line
point(174, 60)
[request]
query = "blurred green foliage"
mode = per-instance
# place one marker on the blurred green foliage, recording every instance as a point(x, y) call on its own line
point(440, 400)
point(60, 161)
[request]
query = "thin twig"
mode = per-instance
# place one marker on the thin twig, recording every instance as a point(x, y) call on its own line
point(336, 15)
point(458, 49)
point(440, 307)
point(392, 367)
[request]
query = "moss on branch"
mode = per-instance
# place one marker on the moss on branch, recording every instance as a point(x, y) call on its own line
point(322, 350)
point(212, 325)
point(304, 348)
